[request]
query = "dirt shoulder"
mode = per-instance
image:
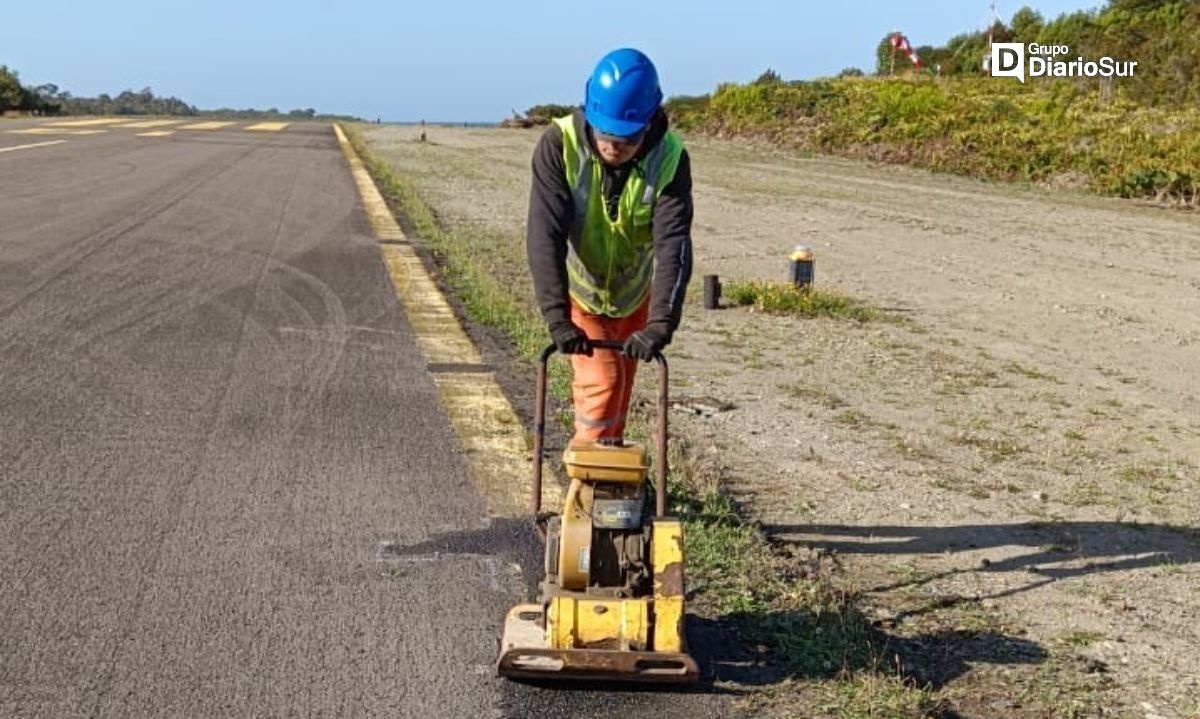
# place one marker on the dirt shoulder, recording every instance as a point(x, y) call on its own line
point(1005, 472)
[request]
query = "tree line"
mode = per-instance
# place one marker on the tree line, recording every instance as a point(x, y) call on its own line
point(49, 99)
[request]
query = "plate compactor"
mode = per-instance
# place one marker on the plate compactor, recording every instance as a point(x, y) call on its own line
point(612, 601)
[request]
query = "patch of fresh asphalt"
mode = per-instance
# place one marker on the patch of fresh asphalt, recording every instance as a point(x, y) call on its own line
point(227, 487)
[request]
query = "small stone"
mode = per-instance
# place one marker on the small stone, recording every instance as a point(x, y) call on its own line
point(905, 505)
point(985, 562)
point(1039, 496)
point(1094, 666)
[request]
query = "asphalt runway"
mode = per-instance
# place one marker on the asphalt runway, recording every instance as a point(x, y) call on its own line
point(227, 486)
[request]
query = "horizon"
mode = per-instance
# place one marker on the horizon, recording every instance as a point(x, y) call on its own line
point(397, 67)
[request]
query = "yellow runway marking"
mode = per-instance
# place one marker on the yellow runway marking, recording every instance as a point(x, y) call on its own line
point(145, 124)
point(156, 133)
point(489, 431)
point(268, 126)
point(86, 123)
point(55, 131)
point(206, 126)
point(28, 147)
point(494, 441)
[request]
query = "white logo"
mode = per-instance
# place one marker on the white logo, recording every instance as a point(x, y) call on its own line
point(1008, 60)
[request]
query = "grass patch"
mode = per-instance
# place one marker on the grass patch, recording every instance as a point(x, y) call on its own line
point(1080, 637)
point(913, 449)
point(1019, 369)
point(815, 395)
point(849, 417)
point(994, 449)
point(782, 298)
point(1153, 474)
point(1083, 494)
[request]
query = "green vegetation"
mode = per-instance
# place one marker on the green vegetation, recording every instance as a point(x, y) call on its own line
point(785, 298)
point(814, 395)
point(1048, 132)
point(545, 113)
point(1133, 137)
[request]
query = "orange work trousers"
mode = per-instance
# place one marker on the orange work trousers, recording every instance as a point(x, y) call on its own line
point(603, 383)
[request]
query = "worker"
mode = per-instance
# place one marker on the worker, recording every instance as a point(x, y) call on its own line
point(609, 235)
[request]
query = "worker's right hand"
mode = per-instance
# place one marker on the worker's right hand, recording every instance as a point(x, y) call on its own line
point(570, 340)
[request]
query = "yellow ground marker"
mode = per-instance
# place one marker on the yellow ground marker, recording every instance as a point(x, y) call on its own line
point(145, 124)
point(88, 123)
point(31, 146)
point(156, 133)
point(55, 131)
point(489, 431)
point(206, 126)
point(268, 126)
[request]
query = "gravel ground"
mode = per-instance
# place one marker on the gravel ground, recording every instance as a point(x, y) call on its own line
point(1005, 468)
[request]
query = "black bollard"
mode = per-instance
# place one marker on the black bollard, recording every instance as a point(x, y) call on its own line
point(712, 292)
point(802, 266)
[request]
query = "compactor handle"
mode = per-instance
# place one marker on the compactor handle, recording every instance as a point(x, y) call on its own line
point(539, 425)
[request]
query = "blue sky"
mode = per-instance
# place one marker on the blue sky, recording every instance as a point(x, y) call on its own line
point(465, 60)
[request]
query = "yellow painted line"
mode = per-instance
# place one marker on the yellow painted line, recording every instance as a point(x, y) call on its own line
point(206, 125)
point(490, 433)
point(268, 126)
point(146, 124)
point(494, 441)
point(55, 131)
point(87, 123)
point(29, 147)
point(437, 328)
point(156, 133)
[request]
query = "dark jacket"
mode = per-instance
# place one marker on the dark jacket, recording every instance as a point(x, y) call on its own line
point(551, 211)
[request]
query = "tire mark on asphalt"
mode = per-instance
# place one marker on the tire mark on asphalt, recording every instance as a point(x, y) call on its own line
point(96, 242)
point(157, 542)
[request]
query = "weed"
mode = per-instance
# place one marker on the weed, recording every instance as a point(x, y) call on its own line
point(910, 448)
point(994, 449)
point(1019, 369)
point(849, 417)
point(785, 298)
point(1080, 638)
point(816, 395)
point(1082, 494)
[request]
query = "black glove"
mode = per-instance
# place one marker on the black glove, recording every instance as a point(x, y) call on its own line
point(646, 343)
point(570, 340)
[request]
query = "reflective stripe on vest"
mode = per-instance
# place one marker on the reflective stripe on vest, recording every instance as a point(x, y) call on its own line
point(610, 264)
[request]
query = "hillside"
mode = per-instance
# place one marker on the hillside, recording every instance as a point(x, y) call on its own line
point(1136, 137)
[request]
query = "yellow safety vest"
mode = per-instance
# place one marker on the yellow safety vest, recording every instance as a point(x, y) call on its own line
point(610, 263)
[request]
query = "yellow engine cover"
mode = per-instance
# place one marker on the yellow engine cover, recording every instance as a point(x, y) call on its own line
point(617, 624)
point(594, 462)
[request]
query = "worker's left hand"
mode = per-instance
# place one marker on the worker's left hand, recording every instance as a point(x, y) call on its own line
point(646, 343)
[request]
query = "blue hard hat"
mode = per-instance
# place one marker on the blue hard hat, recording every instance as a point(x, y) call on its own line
point(622, 94)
